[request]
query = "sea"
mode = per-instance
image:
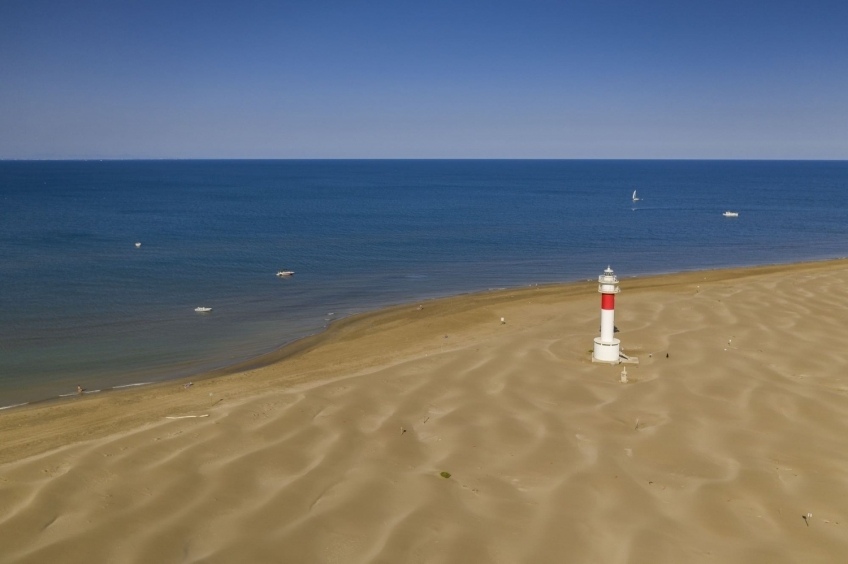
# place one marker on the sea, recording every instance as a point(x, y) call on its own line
point(102, 263)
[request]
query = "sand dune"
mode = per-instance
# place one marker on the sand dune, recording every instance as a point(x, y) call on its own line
point(730, 431)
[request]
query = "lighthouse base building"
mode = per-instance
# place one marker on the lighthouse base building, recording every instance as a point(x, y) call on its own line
point(606, 352)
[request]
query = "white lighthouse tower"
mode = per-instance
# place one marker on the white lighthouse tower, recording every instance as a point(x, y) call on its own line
point(607, 346)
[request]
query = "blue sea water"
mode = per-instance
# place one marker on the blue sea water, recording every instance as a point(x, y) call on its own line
point(80, 304)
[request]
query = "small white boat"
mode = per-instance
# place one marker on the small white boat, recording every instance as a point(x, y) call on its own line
point(284, 273)
point(730, 214)
point(137, 245)
point(635, 198)
point(202, 309)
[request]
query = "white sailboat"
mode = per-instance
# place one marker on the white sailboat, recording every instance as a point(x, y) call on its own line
point(635, 199)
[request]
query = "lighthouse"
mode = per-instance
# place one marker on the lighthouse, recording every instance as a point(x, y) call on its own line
point(607, 346)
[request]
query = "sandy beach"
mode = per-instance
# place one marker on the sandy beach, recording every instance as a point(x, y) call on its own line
point(435, 433)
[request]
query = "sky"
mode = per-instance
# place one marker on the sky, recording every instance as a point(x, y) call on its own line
point(603, 79)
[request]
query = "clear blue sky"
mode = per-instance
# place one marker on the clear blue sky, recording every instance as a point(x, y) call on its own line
point(424, 79)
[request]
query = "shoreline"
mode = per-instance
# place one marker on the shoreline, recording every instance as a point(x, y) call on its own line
point(292, 347)
point(168, 392)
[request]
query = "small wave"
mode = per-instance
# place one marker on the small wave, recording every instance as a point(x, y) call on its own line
point(15, 405)
point(78, 393)
point(131, 385)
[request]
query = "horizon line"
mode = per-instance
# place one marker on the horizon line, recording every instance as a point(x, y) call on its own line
point(607, 159)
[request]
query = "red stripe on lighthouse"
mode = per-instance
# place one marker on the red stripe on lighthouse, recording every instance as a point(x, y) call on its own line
point(607, 301)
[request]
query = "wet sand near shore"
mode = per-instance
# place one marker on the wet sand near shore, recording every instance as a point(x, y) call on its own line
point(434, 432)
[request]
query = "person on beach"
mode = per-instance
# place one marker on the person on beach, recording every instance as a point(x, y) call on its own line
point(80, 389)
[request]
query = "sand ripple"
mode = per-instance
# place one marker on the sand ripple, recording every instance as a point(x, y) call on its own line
point(710, 454)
